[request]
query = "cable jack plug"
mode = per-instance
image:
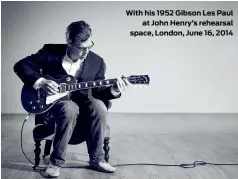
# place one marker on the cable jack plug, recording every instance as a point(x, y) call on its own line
point(27, 117)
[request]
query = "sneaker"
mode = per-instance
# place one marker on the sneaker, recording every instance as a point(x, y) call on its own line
point(102, 166)
point(52, 170)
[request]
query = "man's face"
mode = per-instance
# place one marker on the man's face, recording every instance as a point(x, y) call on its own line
point(81, 49)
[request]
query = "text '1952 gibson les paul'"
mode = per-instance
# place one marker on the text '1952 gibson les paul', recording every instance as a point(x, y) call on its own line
point(38, 101)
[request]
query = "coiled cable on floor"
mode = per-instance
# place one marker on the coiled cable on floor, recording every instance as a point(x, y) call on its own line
point(192, 165)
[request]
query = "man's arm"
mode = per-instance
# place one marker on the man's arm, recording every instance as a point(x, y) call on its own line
point(104, 93)
point(28, 69)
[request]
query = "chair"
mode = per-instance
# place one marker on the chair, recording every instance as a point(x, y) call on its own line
point(48, 134)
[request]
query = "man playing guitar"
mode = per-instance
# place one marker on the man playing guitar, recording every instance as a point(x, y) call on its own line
point(86, 108)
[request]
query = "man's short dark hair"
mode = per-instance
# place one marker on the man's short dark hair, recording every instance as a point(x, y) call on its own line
point(79, 30)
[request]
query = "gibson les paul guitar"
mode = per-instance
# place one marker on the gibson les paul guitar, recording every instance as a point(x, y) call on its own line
point(38, 101)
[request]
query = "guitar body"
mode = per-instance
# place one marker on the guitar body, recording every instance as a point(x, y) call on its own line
point(38, 101)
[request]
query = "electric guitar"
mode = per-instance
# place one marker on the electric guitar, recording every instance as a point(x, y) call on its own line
point(38, 101)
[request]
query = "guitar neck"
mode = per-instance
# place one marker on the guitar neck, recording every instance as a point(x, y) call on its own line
point(86, 85)
point(133, 79)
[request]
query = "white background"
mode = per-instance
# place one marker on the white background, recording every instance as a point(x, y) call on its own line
point(188, 75)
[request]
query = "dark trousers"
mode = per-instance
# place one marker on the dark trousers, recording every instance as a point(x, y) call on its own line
point(84, 122)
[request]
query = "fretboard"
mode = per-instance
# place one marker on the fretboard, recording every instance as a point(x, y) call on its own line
point(87, 85)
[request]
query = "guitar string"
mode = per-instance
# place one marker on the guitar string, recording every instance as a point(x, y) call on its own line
point(95, 82)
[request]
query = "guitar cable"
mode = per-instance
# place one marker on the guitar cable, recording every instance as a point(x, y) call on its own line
point(27, 117)
point(189, 165)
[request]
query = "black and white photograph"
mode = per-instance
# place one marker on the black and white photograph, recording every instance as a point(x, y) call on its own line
point(119, 89)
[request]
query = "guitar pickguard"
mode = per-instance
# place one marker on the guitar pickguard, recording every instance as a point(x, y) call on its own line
point(52, 98)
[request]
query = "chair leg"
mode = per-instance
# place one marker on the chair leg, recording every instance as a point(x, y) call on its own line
point(48, 144)
point(106, 148)
point(37, 152)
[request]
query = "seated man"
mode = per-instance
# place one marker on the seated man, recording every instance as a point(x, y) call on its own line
point(73, 58)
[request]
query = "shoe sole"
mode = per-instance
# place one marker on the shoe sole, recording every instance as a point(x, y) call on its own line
point(50, 176)
point(100, 170)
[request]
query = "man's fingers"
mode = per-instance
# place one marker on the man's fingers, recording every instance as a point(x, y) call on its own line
point(126, 81)
point(53, 87)
point(119, 86)
point(49, 93)
point(54, 84)
point(123, 85)
point(49, 88)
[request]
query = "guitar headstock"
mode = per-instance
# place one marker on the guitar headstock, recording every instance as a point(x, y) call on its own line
point(139, 79)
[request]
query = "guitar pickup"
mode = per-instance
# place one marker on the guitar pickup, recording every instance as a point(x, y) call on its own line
point(62, 87)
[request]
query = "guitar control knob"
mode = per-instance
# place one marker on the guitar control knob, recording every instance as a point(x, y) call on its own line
point(30, 102)
point(33, 107)
point(38, 101)
point(41, 106)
